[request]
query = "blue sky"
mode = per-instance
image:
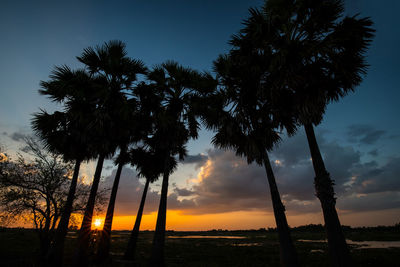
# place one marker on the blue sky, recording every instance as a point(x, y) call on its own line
point(363, 127)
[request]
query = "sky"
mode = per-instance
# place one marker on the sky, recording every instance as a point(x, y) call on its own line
point(213, 189)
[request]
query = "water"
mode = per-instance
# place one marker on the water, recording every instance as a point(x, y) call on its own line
point(363, 244)
point(247, 245)
point(208, 236)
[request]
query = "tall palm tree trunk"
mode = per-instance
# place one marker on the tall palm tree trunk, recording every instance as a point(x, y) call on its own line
point(81, 252)
point(55, 254)
point(157, 252)
point(287, 249)
point(105, 238)
point(130, 250)
point(338, 249)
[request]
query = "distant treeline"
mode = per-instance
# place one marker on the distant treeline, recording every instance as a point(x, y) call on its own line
point(320, 228)
point(303, 228)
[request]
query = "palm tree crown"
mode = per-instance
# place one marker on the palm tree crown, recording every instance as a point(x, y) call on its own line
point(313, 56)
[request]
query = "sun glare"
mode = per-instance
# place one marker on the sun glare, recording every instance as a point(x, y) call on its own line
point(97, 223)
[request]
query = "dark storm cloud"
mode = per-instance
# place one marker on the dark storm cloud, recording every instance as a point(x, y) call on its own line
point(109, 167)
point(296, 176)
point(394, 136)
point(230, 184)
point(369, 202)
point(372, 178)
point(373, 152)
point(17, 136)
point(227, 183)
point(198, 159)
point(130, 193)
point(183, 192)
point(364, 134)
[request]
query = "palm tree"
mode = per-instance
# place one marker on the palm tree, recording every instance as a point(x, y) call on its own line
point(149, 165)
point(316, 57)
point(110, 62)
point(64, 133)
point(104, 244)
point(137, 124)
point(175, 123)
point(250, 127)
point(103, 143)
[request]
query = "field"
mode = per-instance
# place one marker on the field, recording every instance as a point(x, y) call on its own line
point(18, 247)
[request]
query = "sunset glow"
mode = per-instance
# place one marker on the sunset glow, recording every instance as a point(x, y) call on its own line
point(97, 223)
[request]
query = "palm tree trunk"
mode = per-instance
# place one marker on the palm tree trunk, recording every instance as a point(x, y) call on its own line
point(287, 249)
point(105, 238)
point(338, 249)
point(55, 255)
point(130, 250)
point(157, 253)
point(81, 252)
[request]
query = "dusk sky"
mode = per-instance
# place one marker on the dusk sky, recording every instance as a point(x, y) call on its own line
point(359, 136)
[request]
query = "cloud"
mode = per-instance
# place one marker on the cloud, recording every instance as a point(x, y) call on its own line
point(373, 152)
point(296, 174)
point(198, 159)
point(364, 134)
point(369, 202)
point(227, 183)
point(17, 136)
point(183, 192)
point(372, 178)
point(130, 192)
point(109, 167)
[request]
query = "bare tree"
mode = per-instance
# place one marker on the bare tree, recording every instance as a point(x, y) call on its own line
point(35, 190)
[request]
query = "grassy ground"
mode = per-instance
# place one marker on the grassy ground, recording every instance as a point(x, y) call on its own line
point(18, 247)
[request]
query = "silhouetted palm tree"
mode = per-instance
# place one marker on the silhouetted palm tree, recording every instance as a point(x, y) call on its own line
point(105, 145)
point(66, 133)
point(150, 166)
point(316, 57)
point(250, 127)
point(175, 124)
point(114, 115)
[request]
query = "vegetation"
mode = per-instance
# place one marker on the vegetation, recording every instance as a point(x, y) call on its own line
point(35, 190)
point(258, 248)
point(150, 166)
point(175, 123)
point(66, 133)
point(309, 55)
point(290, 60)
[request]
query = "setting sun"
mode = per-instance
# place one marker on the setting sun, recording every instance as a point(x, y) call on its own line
point(97, 223)
point(186, 133)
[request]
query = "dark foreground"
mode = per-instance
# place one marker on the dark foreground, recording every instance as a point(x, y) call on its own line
point(18, 247)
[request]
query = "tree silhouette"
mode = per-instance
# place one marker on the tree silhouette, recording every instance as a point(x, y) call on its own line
point(110, 61)
point(251, 126)
point(316, 57)
point(66, 133)
point(149, 165)
point(35, 189)
point(175, 123)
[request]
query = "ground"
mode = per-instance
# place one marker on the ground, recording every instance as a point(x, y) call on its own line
point(18, 247)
